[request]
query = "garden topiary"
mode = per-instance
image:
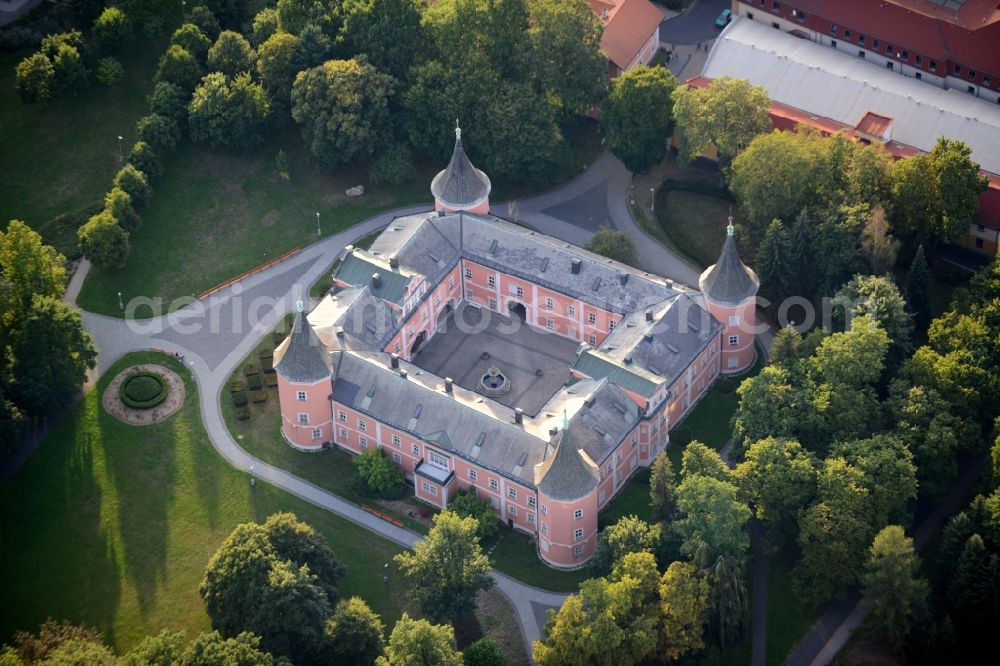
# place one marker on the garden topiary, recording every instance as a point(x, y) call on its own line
point(254, 382)
point(239, 398)
point(143, 390)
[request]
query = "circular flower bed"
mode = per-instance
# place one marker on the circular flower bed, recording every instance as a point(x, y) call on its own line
point(143, 390)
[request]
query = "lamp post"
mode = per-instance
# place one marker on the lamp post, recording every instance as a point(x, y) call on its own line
point(253, 481)
point(121, 304)
point(318, 233)
point(121, 149)
point(184, 9)
point(652, 199)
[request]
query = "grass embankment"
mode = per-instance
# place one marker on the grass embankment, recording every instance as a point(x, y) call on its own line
point(693, 213)
point(58, 158)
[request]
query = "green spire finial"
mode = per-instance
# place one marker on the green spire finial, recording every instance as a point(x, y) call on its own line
point(299, 305)
point(730, 229)
point(458, 131)
point(565, 419)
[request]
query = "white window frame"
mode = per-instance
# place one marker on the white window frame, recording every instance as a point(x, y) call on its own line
point(531, 518)
point(592, 318)
point(416, 449)
point(494, 484)
point(578, 514)
point(545, 510)
point(317, 433)
point(491, 281)
point(342, 417)
point(303, 418)
point(578, 534)
point(363, 442)
point(468, 273)
point(473, 474)
point(734, 340)
point(512, 493)
point(396, 441)
point(396, 458)
point(512, 510)
point(531, 501)
point(362, 424)
point(300, 396)
point(570, 310)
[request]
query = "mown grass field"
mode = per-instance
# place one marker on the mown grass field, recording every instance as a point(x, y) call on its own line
point(57, 158)
point(112, 525)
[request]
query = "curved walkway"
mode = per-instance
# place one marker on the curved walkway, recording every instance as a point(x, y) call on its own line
point(215, 335)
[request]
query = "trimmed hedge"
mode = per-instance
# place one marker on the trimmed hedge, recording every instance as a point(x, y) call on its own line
point(271, 379)
point(239, 398)
point(243, 413)
point(260, 395)
point(250, 369)
point(254, 383)
point(143, 390)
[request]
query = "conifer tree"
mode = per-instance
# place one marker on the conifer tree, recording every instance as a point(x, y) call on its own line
point(774, 259)
point(918, 290)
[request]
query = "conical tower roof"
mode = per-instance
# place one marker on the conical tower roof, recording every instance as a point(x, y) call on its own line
point(461, 186)
point(567, 475)
point(729, 281)
point(301, 357)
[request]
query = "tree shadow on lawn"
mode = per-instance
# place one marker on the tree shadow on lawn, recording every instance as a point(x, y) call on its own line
point(59, 556)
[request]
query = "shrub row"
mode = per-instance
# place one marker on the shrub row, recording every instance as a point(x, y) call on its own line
point(143, 390)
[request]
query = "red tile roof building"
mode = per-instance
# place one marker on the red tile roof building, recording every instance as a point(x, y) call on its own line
point(631, 32)
point(949, 43)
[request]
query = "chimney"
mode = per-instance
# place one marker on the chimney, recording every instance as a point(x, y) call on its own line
point(441, 212)
point(622, 278)
point(519, 416)
point(393, 261)
point(649, 315)
point(348, 249)
point(339, 330)
point(553, 431)
point(403, 373)
point(448, 385)
point(574, 266)
point(376, 280)
point(628, 359)
point(394, 360)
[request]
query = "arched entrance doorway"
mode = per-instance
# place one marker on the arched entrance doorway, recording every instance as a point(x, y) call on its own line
point(518, 310)
point(420, 340)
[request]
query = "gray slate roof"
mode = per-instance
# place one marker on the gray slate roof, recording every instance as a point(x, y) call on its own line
point(366, 320)
point(460, 186)
point(301, 357)
point(729, 281)
point(680, 330)
point(566, 476)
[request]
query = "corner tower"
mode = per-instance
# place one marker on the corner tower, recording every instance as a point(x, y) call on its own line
point(730, 290)
point(304, 372)
point(567, 494)
point(461, 186)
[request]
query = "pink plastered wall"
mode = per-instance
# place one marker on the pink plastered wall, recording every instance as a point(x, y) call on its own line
point(315, 407)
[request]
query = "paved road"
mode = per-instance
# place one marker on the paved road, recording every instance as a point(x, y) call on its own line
point(215, 335)
point(695, 25)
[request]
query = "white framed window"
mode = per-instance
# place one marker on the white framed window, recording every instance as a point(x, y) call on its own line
point(362, 424)
point(396, 458)
point(343, 433)
point(473, 475)
point(592, 340)
point(342, 416)
point(491, 281)
point(571, 310)
point(512, 493)
point(578, 514)
point(618, 457)
point(303, 418)
point(734, 320)
point(451, 283)
point(550, 304)
point(395, 348)
point(469, 296)
point(437, 459)
point(734, 340)
point(550, 324)
point(493, 484)
point(531, 501)
point(592, 319)
point(423, 315)
point(611, 324)
point(519, 290)
point(468, 273)
point(578, 534)
point(317, 433)
point(395, 440)
point(437, 299)
point(301, 396)
point(416, 449)
point(545, 510)
point(493, 304)
point(531, 518)
point(545, 528)
point(578, 550)
point(512, 510)
point(363, 441)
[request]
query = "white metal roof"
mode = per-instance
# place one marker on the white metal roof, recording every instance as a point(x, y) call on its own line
point(824, 81)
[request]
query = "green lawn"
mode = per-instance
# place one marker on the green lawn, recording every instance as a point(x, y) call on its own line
point(787, 618)
point(516, 554)
point(631, 500)
point(112, 525)
point(694, 222)
point(215, 215)
point(58, 157)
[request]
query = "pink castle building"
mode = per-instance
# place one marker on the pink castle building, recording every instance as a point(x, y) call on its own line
point(481, 355)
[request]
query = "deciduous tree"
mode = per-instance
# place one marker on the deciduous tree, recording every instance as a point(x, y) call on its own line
point(232, 54)
point(231, 114)
point(160, 132)
point(392, 24)
point(420, 643)
point(877, 244)
point(779, 478)
point(629, 535)
point(712, 515)
point(211, 649)
point(637, 116)
point(480, 508)
point(35, 78)
point(179, 67)
point(661, 488)
point(684, 611)
point(959, 186)
point(895, 593)
point(51, 356)
point(447, 568)
point(193, 40)
point(104, 241)
point(118, 202)
point(727, 114)
point(277, 65)
point(353, 634)
point(111, 30)
point(342, 108)
point(612, 244)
